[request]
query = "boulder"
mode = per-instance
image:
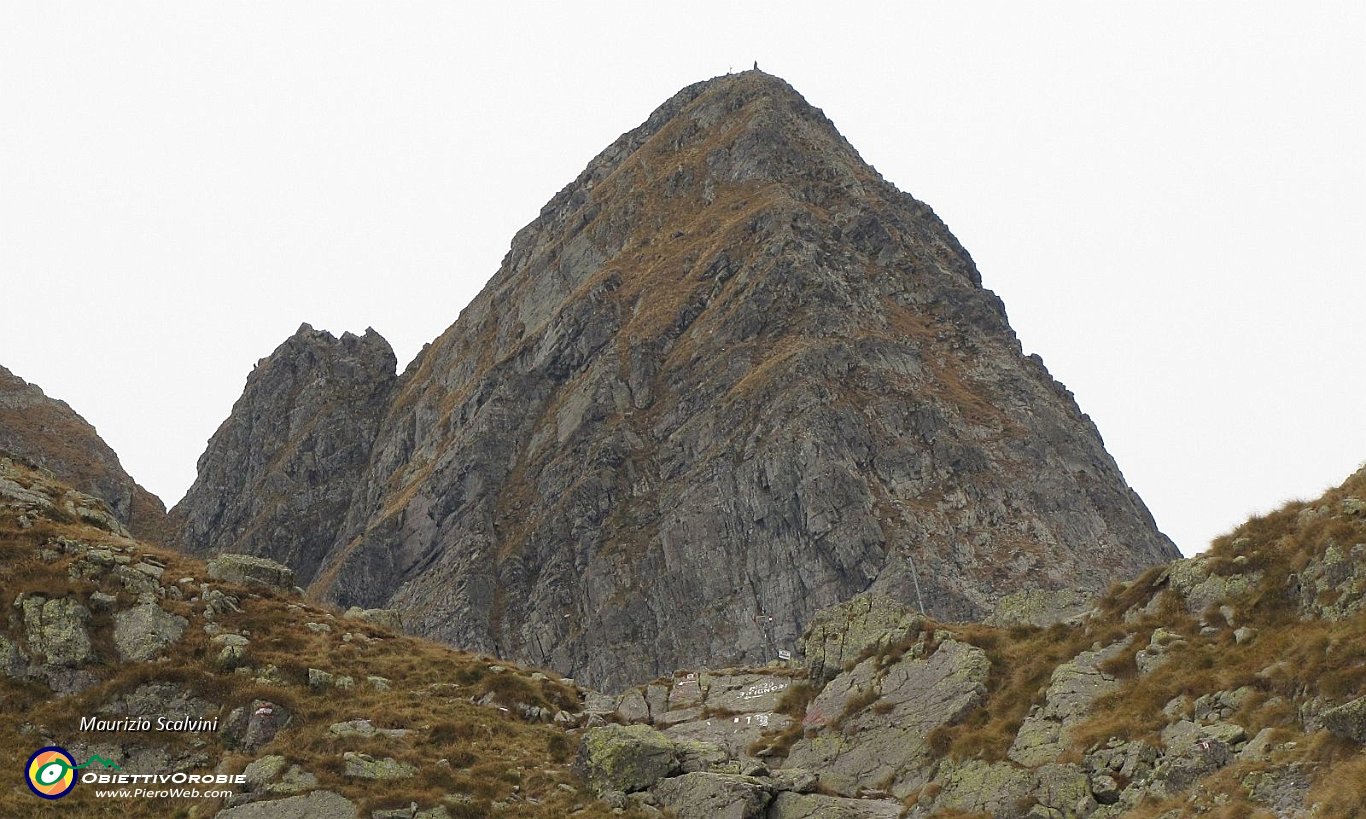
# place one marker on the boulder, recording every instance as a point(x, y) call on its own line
point(248, 570)
point(1347, 721)
point(626, 758)
point(56, 629)
point(264, 770)
point(631, 708)
point(837, 635)
point(294, 780)
point(248, 728)
point(388, 618)
point(713, 796)
point(363, 728)
point(144, 631)
point(315, 805)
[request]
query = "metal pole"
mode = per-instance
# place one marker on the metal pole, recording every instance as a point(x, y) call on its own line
point(916, 579)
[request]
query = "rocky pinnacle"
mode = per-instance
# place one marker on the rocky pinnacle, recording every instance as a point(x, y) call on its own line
point(728, 377)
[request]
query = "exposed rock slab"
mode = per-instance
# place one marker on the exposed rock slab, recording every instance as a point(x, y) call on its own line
point(145, 631)
point(889, 744)
point(315, 805)
point(1071, 690)
point(788, 805)
point(839, 634)
point(713, 796)
point(997, 789)
point(56, 629)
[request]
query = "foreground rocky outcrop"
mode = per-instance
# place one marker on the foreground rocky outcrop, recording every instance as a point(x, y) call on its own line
point(144, 662)
point(49, 434)
point(1231, 684)
point(729, 377)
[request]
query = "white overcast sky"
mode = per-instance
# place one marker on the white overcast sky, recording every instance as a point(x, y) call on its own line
point(1169, 196)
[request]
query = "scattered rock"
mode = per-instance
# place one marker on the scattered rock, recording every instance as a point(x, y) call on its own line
point(1105, 789)
point(364, 766)
point(1152, 656)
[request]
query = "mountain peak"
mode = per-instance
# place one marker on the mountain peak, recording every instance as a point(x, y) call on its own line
point(726, 378)
point(50, 434)
point(314, 405)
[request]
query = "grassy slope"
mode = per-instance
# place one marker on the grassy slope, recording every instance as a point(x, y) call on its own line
point(492, 755)
point(1293, 660)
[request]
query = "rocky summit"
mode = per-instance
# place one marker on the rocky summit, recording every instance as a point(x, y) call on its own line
point(727, 378)
point(49, 434)
point(279, 473)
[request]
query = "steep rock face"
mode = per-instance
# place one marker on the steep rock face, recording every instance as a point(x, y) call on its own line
point(50, 434)
point(278, 475)
point(728, 377)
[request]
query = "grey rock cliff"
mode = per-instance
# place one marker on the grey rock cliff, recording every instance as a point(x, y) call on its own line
point(728, 377)
point(278, 475)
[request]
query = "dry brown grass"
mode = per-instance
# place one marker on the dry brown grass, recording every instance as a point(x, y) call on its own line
point(460, 748)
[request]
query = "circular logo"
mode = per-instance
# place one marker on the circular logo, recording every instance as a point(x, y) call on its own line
point(51, 772)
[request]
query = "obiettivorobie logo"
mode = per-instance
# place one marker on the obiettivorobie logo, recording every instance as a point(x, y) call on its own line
point(51, 771)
